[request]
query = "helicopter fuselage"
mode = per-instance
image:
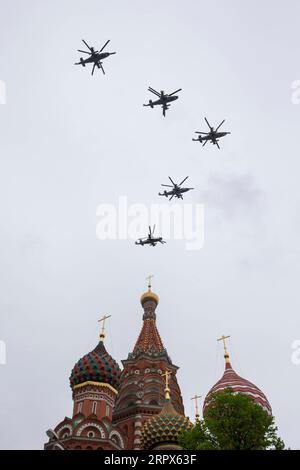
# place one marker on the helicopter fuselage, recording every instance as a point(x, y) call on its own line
point(163, 101)
point(95, 57)
point(175, 192)
point(213, 136)
point(150, 241)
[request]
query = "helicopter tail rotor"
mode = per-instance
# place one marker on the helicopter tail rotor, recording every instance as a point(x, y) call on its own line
point(81, 62)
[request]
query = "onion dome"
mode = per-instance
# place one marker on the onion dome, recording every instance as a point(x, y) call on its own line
point(96, 366)
point(149, 295)
point(164, 428)
point(232, 380)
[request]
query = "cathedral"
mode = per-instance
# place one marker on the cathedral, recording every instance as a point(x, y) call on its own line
point(139, 407)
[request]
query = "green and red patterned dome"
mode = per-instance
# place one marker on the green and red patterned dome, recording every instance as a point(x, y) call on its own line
point(96, 366)
point(164, 428)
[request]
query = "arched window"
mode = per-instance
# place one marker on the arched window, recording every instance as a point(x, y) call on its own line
point(94, 407)
point(79, 407)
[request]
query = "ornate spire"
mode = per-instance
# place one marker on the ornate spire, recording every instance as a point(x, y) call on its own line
point(149, 278)
point(102, 319)
point(167, 387)
point(143, 389)
point(149, 340)
point(226, 355)
point(197, 415)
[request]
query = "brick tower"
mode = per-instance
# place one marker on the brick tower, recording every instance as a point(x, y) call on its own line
point(94, 381)
point(141, 392)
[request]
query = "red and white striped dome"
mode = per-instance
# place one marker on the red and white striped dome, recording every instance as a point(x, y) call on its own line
point(231, 379)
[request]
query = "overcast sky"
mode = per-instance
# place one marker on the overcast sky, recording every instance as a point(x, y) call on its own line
point(70, 142)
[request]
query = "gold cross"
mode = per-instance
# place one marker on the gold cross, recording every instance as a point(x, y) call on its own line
point(167, 388)
point(223, 338)
point(102, 319)
point(148, 278)
point(196, 405)
point(167, 375)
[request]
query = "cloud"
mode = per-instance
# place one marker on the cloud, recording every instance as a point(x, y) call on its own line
point(235, 196)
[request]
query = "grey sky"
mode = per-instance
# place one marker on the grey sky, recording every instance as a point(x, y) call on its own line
point(70, 141)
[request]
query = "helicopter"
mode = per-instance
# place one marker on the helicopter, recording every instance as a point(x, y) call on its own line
point(163, 99)
point(176, 189)
point(150, 240)
point(95, 56)
point(213, 135)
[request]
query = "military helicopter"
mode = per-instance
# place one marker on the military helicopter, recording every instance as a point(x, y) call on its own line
point(95, 57)
point(213, 135)
point(150, 240)
point(163, 99)
point(176, 189)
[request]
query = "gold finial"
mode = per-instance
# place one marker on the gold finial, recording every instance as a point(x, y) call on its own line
point(196, 406)
point(149, 295)
point(102, 334)
point(149, 278)
point(167, 387)
point(223, 338)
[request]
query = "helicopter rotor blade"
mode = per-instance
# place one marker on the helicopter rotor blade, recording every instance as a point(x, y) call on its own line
point(87, 45)
point(104, 45)
point(220, 125)
point(205, 143)
point(167, 185)
point(101, 67)
point(183, 181)
point(171, 197)
point(217, 145)
point(84, 52)
point(93, 68)
point(204, 133)
point(175, 92)
point(153, 229)
point(208, 123)
point(154, 91)
point(171, 180)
